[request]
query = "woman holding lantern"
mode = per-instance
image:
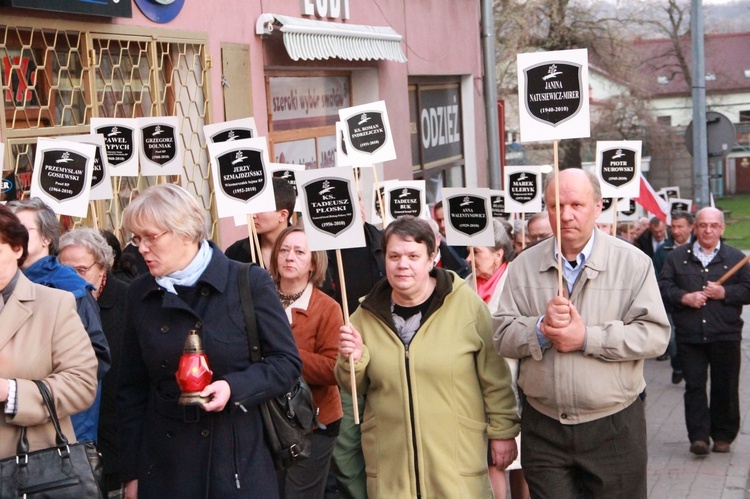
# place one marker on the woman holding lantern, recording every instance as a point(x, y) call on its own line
point(216, 448)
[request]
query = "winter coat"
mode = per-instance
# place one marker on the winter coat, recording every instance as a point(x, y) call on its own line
point(719, 320)
point(42, 338)
point(618, 298)
point(431, 407)
point(183, 451)
point(316, 323)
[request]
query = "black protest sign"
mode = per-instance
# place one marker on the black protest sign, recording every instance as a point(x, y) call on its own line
point(406, 201)
point(523, 187)
point(553, 91)
point(159, 143)
point(97, 174)
point(232, 134)
point(241, 173)
point(63, 174)
point(497, 204)
point(120, 143)
point(330, 206)
point(630, 211)
point(287, 175)
point(607, 203)
point(618, 166)
point(367, 131)
point(468, 214)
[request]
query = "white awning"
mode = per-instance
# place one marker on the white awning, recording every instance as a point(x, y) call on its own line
point(307, 39)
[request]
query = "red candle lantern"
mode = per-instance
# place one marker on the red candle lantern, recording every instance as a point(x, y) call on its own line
point(193, 373)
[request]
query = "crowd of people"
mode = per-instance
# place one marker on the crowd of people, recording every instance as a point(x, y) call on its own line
point(478, 370)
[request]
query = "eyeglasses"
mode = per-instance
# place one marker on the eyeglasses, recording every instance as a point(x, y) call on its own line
point(82, 271)
point(146, 240)
point(704, 226)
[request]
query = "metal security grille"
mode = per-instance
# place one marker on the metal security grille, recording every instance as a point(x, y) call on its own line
point(55, 80)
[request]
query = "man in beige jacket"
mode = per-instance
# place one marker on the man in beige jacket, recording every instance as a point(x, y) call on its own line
point(581, 354)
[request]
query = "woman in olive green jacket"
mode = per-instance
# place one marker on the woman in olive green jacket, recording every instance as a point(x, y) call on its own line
point(436, 391)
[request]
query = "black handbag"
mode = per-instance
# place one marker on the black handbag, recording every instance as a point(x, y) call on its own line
point(289, 419)
point(65, 471)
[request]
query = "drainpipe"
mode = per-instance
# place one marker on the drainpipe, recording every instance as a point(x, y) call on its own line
point(490, 95)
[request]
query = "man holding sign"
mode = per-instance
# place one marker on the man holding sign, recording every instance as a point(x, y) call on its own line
point(581, 349)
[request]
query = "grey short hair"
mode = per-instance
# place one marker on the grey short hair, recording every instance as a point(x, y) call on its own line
point(46, 219)
point(166, 207)
point(592, 179)
point(503, 241)
point(91, 240)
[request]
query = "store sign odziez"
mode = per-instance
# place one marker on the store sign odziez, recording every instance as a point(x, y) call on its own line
point(109, 8)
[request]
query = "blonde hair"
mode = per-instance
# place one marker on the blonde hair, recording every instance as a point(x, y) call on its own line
point(166, 207)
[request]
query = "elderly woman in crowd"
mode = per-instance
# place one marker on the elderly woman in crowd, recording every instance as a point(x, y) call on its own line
point(91, 256)
point(42, 338)
point(215, 449)
point(316, 319)
point(42, 267)
point(422, 353)
point(491, 262)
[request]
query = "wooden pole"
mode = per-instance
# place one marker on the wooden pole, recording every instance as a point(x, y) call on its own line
point(345, 308)
point(733, 270)
point(474, 269)
point(379, 194)
point(560, 291)
point(614, 225)
point(256, 243)
point(523, 231)
point(94, 218)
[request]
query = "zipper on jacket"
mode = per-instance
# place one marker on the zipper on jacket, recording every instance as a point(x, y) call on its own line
point(234, 451)
point(411, 416)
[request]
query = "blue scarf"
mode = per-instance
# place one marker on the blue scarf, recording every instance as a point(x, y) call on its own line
point(190, 274)
point(47, 271)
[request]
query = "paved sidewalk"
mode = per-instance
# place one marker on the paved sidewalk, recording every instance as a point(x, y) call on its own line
point(673, 472)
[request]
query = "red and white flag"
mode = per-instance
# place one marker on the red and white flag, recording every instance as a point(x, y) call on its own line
point(652, 201)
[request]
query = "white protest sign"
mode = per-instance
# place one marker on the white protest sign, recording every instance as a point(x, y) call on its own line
point(367, 134)
point(101, 185)
point(369, 196)
point(122, 138)
point(288, 172)
point(404, 198)
point(161, 146)
point(342, 157)
point(670, 192)
point(618, 168)
point(62, 175)
point(523, 189)
point(330, 209)
point(553, 95)
point(468, 217)
point(678, 204)
point(607, 216)
point(241, 180)
point(497, 203)
point(227, 131)
point(630, 210)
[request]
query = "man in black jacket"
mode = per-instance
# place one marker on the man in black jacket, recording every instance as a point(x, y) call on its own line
point(708, 324)
point(652, 238)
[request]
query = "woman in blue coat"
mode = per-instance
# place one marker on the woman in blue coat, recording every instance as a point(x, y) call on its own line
point(216, 449)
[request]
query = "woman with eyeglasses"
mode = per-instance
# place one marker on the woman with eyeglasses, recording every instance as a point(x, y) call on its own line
point(42, 267)
point(89, 254)
point(217, 448)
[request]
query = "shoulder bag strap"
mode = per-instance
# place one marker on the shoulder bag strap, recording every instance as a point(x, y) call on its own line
point(248, 309)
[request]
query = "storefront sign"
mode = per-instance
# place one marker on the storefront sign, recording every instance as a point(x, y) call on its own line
point(121, 137)
point(468, 217)
point(110, 8)
point(332, 9)
point(618, 166)
point(305, 102)
point(440, 123)
point(240, 177)
point(62, 175)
